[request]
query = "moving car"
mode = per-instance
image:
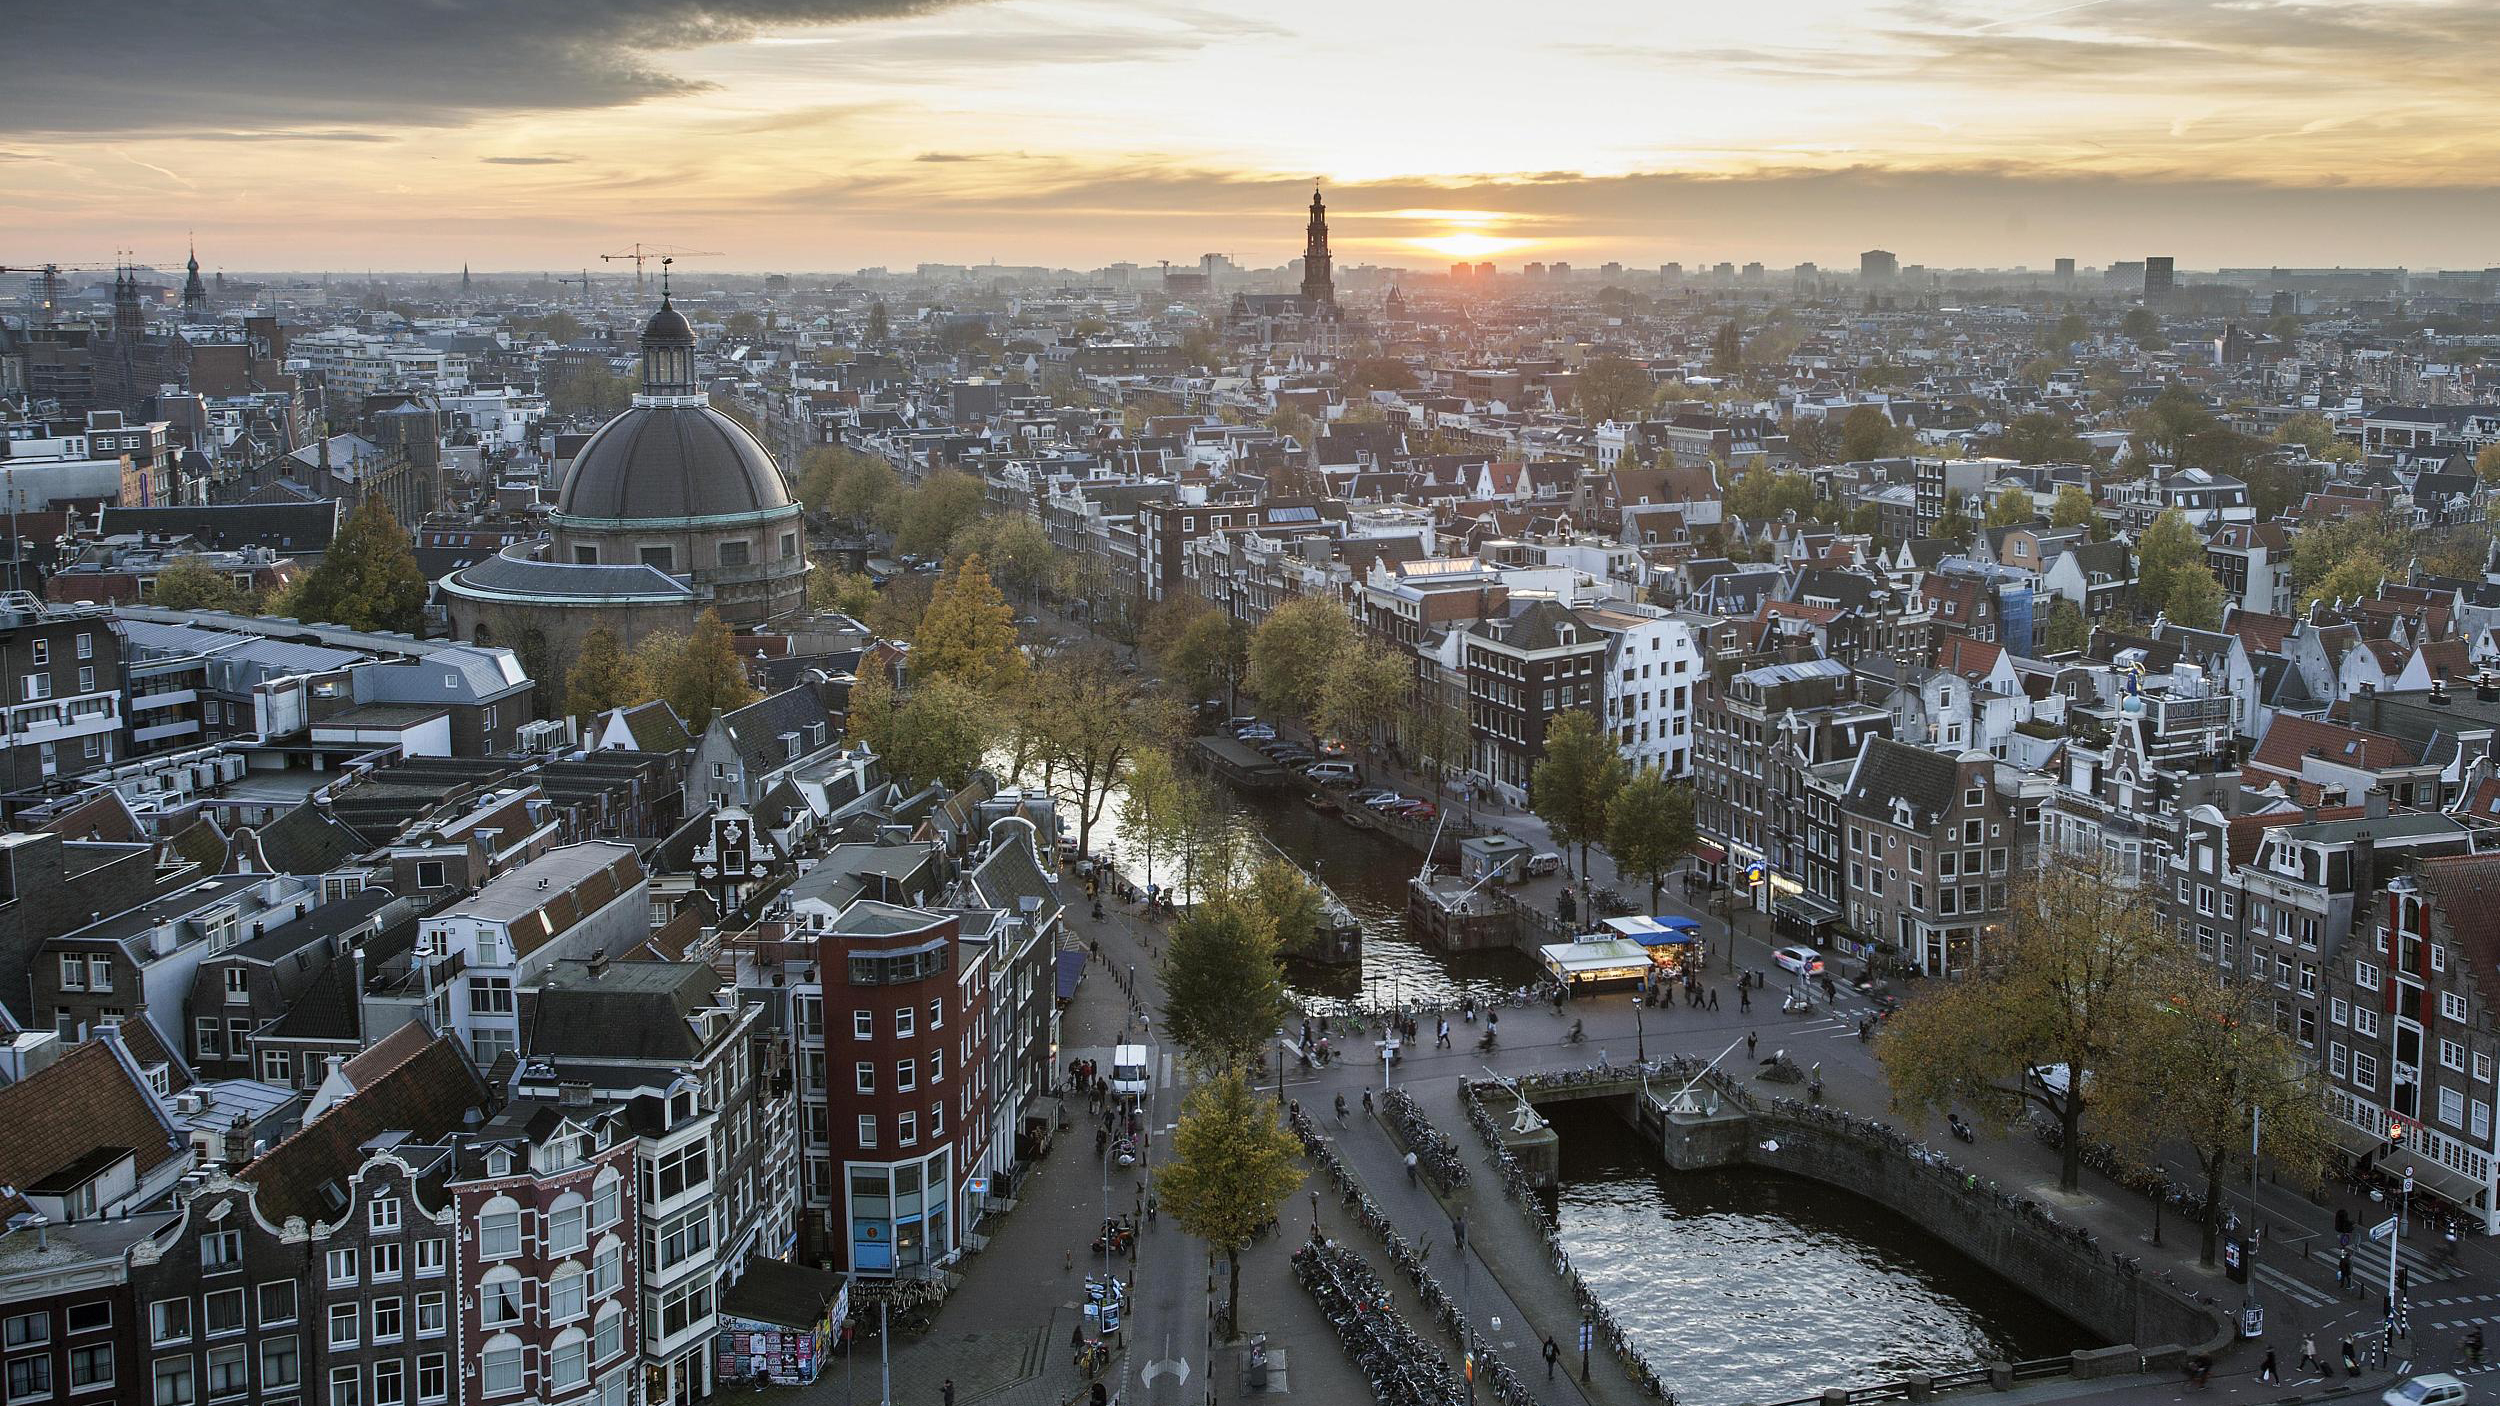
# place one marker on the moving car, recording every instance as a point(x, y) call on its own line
point(1131, 1070)
point(1331, 747)
point(1804, 961)
point(2429, 1389)
point(1542, 865)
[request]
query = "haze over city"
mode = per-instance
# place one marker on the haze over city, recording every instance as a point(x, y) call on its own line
point(842, 133)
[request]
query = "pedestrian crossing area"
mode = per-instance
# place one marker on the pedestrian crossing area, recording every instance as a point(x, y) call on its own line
point(2369, 1277)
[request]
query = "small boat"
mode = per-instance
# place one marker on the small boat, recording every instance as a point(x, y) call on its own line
point(1321, 801)
point(1359, 818)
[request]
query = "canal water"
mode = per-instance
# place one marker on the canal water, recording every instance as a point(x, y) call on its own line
point(1368, 872)
point(1749, 1285)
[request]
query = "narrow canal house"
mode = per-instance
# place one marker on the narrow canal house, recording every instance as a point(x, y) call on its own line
point(2411, 1037)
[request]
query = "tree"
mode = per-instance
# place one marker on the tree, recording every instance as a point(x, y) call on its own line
point(1757, 492)
point(591, 392)
point(879, 326)
point(896, 614)
point(2073, 507)
point(1198, 348)
point(1085, 720)
point(2196, 598)
point(845, 483)
point(869, 709)
point(1611, 388)
point(1020, 556)
point(1223, 992)
point(2037, 437)
point(1437, 734)
point(2142, 327)
point(1291, 650)
point(743, 325)
point(1649, 826)
point(1867, 433)
point(2166, 550)
point(1362, 688)
point(1576, 781)
point(968, 633)
point(2315, 434)
point(2487, 464)
point(706, 678)
point(2068, 981)
point(603, 676)
point(1196, 649)
point(1955, 526)
point(846, 591)
point(1154, 806)
point(1814, 439)
point(368, 580)
point(188, 583)
point(1376, 373)
point(2014, 507)
point(1232, 1165)
point(2164, 429)
point(1727, 348)
point(1292, 906)
point(2211, 1066)
point(2064, 631)
point(939, 732)
point(927, 516)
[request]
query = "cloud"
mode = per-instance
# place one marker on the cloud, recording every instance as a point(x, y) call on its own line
point(529, 160)
point(290, 135)
point(940, 156)
point(282, 64)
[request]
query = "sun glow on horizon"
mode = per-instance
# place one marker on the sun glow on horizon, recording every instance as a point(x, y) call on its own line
point(1471, 245)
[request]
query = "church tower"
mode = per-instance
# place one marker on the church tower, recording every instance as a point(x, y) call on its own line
point(1319, 290)
point(194, 292)
point(129, 321)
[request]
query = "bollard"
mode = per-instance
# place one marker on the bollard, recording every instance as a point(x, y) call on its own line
point(1921, 1386)
point(1835, 1396)
point(2000, 1376)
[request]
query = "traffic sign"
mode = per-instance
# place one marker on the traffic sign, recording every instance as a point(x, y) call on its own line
point(2384, 1230)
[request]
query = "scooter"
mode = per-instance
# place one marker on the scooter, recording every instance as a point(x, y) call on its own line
point(1962, 1132)
point(1797, 1003)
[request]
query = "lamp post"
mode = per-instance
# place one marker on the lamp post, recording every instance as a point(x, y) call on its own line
point(1280, 1066)
point(1640, 1033)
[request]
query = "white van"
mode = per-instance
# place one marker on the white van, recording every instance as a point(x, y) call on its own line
point(1542, 865)
point(1332, 773)
point(1132, 1069)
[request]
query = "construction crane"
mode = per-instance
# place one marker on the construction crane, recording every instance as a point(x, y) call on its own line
point(48, 286)
point(642, 253)
point(584, 281)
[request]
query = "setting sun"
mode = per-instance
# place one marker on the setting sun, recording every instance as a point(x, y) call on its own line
point(1471, 245)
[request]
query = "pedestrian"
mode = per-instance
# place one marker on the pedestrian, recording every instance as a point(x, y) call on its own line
point(1750, 1038)
point(1553, 1354)
point(1744, 997)
point(2265, 1369)
point(1315, 1208)
point(2352, 1360)
point(2309, 1354)
point(2343, 1269)
point(946, 1392)
point(1714, 998)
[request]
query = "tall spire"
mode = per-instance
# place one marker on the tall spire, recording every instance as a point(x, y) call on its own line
point(1319, 290)
point(194, 292)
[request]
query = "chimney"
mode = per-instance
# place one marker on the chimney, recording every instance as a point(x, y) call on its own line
point(2374, 805)
point(238, 1141)
point(2364, 865)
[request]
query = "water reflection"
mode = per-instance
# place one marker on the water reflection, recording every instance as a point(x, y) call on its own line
point(1368, 872)
point(1756, 1286)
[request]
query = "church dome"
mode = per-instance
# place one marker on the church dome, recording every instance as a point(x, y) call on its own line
point(672, 461)
point(668, 325)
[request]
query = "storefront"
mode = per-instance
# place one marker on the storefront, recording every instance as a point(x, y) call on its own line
point(777, 1322)
point(899, 1213)
point(1673, 943)
point(1596, 961)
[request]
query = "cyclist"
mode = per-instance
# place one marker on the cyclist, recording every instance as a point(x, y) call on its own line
point(1341, 1108)
point(1367, 1102)
point(2474, 1346)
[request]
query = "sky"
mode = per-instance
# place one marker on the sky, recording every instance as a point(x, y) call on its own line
point(835, 134)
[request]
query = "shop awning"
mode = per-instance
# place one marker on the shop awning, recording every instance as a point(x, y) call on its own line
point(1656, 930)
point(1709, 853)
point(1608, 959)
point(1808, 907)
point(2429, 1175)
point(1071, 971)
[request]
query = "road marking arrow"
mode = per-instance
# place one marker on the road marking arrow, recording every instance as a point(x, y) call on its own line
point(1178, 1371)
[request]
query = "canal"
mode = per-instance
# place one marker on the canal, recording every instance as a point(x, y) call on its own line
point(1748, 1285)
point(1368, 872)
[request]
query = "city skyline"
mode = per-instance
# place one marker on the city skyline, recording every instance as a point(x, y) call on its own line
point(832, 134)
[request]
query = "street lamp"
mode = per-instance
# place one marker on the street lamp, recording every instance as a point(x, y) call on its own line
point(1640, 1034)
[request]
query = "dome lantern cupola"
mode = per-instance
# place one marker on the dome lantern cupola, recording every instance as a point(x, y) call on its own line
point(668, 358)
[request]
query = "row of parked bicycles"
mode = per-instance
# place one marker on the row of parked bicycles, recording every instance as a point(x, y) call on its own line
point(1593, 1310)
point(1436, 1156)
point(2183, 1200)
point(1403, 1368)
point(1491, 1369)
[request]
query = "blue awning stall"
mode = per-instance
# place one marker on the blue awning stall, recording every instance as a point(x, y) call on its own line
point(1071, 971)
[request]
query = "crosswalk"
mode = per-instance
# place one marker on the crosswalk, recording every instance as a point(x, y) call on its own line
point(2369, 1271)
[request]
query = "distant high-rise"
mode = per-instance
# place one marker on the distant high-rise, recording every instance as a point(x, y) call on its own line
point(2159, 279)
point(1610, 270)
point(1753, 272)
point(1460, 270)
point(1561, 271)
point(2065, 270)
point(1670, 273)
point(1319, 288)
point(1723, 271)
point(1485, 269)
point(1535, 270)
point(1878, 266)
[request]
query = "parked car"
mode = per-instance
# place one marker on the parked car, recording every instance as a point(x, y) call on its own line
point(1387, 800)
point(1367, 795)
point(2429, 1389)
point(1420, 810)
point(1543, 865)
point(1257, 732)
point(1330, 773)
point(1026, 622)
point(1236, 724)
point(1804, 961)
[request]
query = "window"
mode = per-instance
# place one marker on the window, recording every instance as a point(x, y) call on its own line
point(868, 1130)
point(664, 558)
point(173, 1381)
point(499, 1235)
point(937, 1014)
point(2364, 1022)
point(606, 1201)
point(344, 1324)
point(937, 1066)
point(86, 646)
point(569, 1364)
point(277, 1067)
point(224, 1311)
point(2452, 1056)
point(386, 1260)
point(343, 1266)
point(2365, 975)
point(680, 1237)
point(430, 1320)
point(430, 1257)
point(26, 1330)
point(906, 1075)
point(607, 1269)
point(390, 1382)
point(277, 1302)
point(43, 652)
point(169, 1321)
point(220, 1250)
point(229, 1372)
point(390, 1324)
point(383, 1214)
point(2339, 1011)
point(2482, 1068)
point(863, 1025)
point(937, 1121)
point(2364, 1070)
point(280, 1367)
point(30, 1379)
point(903, 1026)
point(2452, 1108)
point(673, 1173)
point(566, 1296)
point(433, 1377)
point(346, 1387)
point(609, 1339)
point(906, 1129)
point(2336, 1063)
point(2451, 1004)
point(566, 1231)
point(73, 972)
point(490, 995)
point(503, 1367)
point(86, 683)
point(499, 1302)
